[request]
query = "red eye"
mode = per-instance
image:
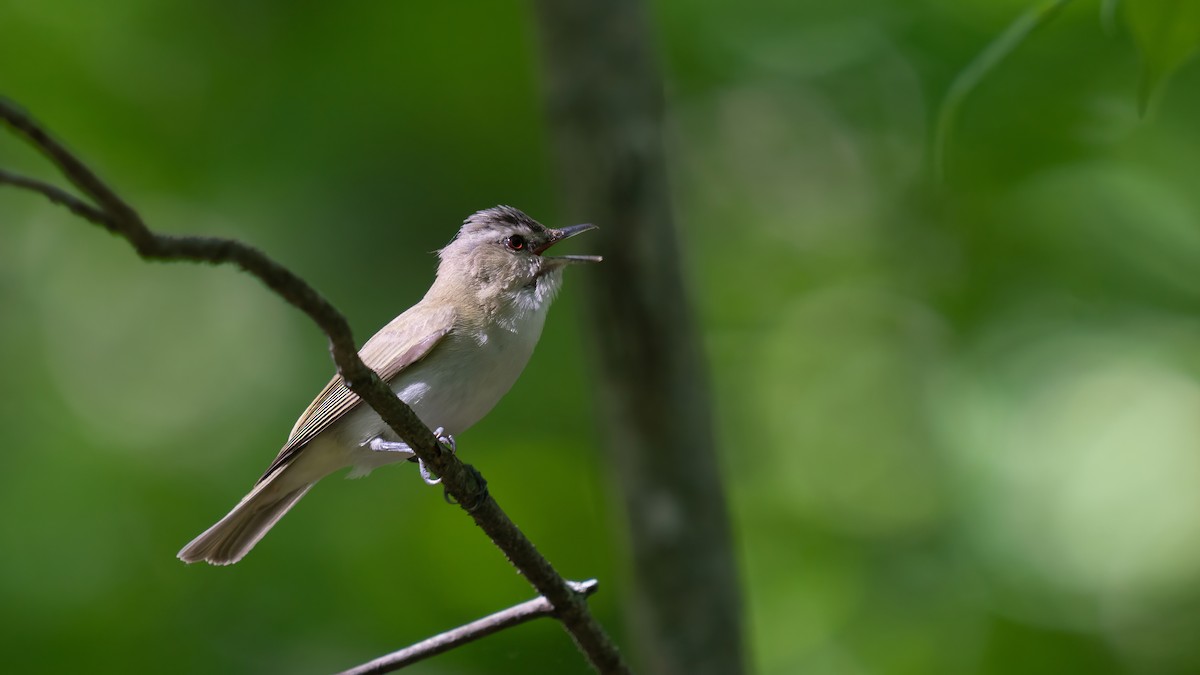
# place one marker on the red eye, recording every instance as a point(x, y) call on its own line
point(515, 243)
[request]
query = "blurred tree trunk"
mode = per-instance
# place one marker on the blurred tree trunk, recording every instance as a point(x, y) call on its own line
point(604, 98)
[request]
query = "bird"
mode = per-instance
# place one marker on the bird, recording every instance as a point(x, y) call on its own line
point(451, 357)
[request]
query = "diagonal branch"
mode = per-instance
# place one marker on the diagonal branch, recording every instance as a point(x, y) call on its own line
point(59, 196)
point(461, 481)
point(513, 616)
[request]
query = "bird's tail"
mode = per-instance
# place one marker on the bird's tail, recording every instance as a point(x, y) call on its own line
point(234, 535)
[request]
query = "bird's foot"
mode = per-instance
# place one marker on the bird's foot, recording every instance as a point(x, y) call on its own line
point(426, 475)
point(446, 440)
point(378, 444)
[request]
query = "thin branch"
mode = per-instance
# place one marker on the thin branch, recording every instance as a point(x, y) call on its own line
point(59, 196)
point(443, 642)
point(461, 481)
point(73, 168)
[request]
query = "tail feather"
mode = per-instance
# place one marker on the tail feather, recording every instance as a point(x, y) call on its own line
point(234, 535)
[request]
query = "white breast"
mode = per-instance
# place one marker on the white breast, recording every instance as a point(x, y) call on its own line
point(455, 386)
point(465, 378)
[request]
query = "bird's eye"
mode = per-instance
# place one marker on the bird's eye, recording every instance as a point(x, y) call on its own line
point(515, 243)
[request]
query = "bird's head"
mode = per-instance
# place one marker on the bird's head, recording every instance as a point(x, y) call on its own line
point(500, 254)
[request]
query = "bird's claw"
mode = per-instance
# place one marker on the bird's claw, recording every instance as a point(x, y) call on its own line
point(426, 475)
point(445, 439)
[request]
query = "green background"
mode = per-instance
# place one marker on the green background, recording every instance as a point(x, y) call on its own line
point(960, 423)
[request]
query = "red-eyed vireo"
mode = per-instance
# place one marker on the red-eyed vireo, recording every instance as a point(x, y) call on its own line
point(451, 357)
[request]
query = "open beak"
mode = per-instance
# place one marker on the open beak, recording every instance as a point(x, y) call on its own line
point(566, 233)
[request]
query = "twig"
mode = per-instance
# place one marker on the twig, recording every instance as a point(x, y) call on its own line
point(59, 196)
point(461, 481)
point(443, 642)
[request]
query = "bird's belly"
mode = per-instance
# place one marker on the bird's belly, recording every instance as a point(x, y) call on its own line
point(454, 388)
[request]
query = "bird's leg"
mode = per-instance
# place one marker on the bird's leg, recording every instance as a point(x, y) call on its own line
point(379, 445)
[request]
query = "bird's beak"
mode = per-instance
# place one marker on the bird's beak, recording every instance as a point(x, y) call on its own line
point(566, 233)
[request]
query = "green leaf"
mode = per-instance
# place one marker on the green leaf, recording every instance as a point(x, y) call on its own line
point(1167, 33)
point(968, 78)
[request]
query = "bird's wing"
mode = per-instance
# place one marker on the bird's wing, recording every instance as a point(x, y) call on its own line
point(409, 338)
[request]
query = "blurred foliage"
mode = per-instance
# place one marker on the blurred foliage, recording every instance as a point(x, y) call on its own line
point(1168, 33)
point(961, 422)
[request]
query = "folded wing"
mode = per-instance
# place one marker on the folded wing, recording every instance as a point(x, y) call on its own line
point(409, 338)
